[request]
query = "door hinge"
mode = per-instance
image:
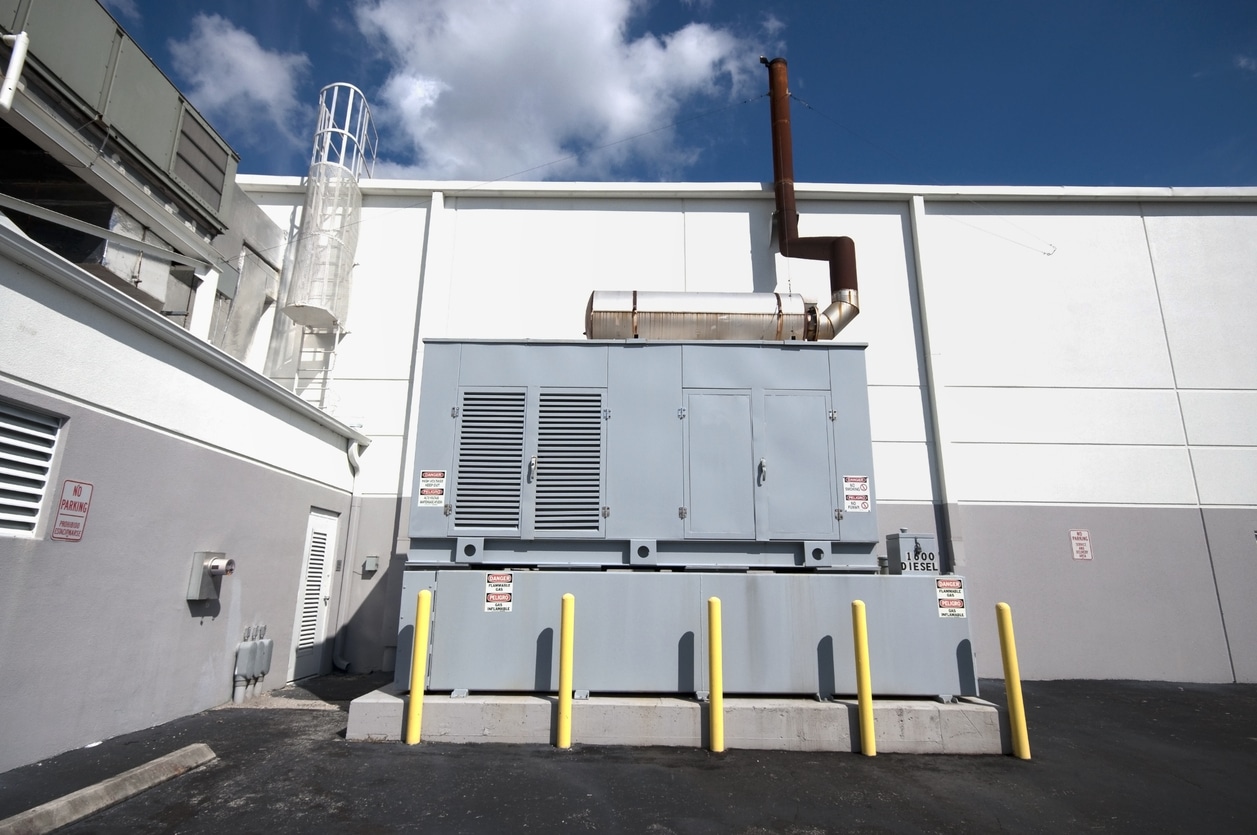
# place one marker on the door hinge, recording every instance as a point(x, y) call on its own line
point(833, 414)
point(680, 414)
point(838, 514)
point(606, 512)
point(682, 512)
point(606, 414)
point(449, 509)
point(454, 412)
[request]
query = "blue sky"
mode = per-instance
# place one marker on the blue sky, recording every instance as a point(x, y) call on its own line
point(1004, 92)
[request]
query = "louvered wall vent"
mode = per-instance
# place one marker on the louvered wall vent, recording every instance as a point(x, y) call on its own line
point(27, 442)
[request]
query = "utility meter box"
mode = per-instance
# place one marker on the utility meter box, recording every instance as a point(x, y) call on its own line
point(912, 553)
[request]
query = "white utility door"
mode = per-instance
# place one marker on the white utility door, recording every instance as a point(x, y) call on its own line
point(316, 593)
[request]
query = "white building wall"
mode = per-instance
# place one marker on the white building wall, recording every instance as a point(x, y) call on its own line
point(1091, 363)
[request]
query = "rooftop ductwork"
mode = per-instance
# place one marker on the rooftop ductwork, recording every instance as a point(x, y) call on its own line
point(631, 314)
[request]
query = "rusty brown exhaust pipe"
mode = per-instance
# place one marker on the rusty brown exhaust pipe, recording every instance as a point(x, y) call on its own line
point(839, 252)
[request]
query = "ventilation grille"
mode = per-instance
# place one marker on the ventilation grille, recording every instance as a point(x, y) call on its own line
point(569, 462)
point(490, 460)
point(27, 442)
point(312, 597)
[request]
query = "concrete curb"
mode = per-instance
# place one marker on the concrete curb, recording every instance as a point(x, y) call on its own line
point(77, 805)
point(903, 726)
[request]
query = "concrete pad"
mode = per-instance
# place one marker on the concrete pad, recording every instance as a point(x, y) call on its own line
point(639, 720)
point(908, 726)
point(77, 805)
point(377, 716)
point(787, 725)
point(514, 719)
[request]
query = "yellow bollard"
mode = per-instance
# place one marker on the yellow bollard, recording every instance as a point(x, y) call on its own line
point(1012, 681)
point(567, 633)
point(418, 666)
point(715, 659)
point(863, 679)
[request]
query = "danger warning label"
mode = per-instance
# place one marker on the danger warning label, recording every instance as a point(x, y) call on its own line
point(855, 493)
point(951, 597)
point(499, 591)
point(431, 488)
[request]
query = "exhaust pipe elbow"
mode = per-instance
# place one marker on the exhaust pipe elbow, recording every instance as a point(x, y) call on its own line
point(844, 307)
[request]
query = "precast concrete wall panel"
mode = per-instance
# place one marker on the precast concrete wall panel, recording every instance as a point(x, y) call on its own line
point(1219, 418)
point(1070, 474)
point(527, 269)
point(725, 246)
point(379, 345)
point(1205, 257)
point(903, 472)
point(1004, 313)
point(887, 320)
point(1145, 607)
point(1104, 416)
point(1232, 534)
point(1226, 475)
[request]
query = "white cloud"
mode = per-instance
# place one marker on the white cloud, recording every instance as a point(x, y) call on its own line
point(482, 89)
point(1246, 63)
point(246, 90)
point(123, 8)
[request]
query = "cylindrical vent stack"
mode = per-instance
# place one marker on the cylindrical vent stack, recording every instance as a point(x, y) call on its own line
point(344, 151)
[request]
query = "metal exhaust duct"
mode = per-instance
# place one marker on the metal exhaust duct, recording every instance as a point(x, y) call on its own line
point(631, 314)
point(634, 314)
point(839, 252)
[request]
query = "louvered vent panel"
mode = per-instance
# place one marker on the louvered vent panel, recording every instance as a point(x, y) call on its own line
point(312, 597)
point(490, 460)
point(27, 441)
point(569, 468)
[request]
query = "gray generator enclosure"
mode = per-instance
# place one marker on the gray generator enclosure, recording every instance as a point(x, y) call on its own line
point(644, 478)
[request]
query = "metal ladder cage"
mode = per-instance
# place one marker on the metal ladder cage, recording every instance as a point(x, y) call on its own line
point(345, 144)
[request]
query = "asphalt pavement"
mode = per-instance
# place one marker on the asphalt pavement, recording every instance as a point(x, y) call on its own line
point(1106, 757)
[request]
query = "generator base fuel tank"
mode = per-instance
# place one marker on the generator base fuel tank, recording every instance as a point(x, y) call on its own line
point(646, 632)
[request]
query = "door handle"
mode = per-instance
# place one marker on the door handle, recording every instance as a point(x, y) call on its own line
point(763, 470)
point(532, 469)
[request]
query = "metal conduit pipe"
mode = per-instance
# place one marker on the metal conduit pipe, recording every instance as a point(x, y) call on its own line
point(838, 251)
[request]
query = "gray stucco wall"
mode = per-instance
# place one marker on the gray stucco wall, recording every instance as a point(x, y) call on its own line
point(98, 636)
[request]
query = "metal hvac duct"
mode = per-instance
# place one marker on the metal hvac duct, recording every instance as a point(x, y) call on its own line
point(630, 314)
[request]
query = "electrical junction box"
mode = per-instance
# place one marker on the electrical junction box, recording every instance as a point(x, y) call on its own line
point(912, 553)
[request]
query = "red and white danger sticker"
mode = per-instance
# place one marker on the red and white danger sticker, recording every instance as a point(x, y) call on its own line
point(499, 591)
point(855, 493)
point(951, 597)
point(431, 488)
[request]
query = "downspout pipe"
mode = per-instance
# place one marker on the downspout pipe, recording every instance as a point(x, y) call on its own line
point(838, 251)
point(339, 663)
